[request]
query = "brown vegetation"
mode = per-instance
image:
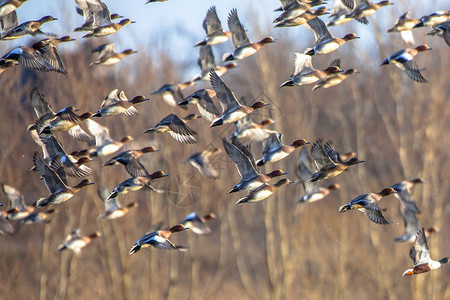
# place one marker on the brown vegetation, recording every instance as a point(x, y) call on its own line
point(267, 250)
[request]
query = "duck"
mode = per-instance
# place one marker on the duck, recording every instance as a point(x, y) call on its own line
point(303, 18)
point(177, 128)
point(341, 9)
point(104, 144)
point(9, 6)
point(8, 22)
point(60, 192)
point(213, 28)
point(366, 8)
point(368, 205)
point(159, 239)
point(403, 189)
point(434, 19)
point(232, 110)
point(207, 63)
point(26, 57)
point(117, 103)
point(329, 161)
point(201, 161)
point(274, 149)
point(18, 209)
point(251, 178)
point(67, 120)
point(246, 128)
point(404, 60)
point(304, 172)
point(286, 4)
point(49, 52)
point(304, 72)
point(205, 105)
point(172, 92)
point(107, 56)
point(263, 192)
point(197, 224)
point(5, 225)
point(112, 208)
point(38, 217)
point(108, 29)
point(95, 14)
point(442, 30)
point(420, 254)
point(41, 107)
point(242, 46)
point(325, 42)
point(296, 9)
point(54, 150)
point(411, 225)
point(75, 242)
point(136, 183)
point(5, 65)
point(404, 25)
point(130, 160)
point(334, 79)
point(29, 27)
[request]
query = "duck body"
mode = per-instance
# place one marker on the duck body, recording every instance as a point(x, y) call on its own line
point(263, 192)
point(368, 205)
point(420, 254)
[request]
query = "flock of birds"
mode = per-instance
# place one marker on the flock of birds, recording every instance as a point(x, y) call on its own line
point(320, 163)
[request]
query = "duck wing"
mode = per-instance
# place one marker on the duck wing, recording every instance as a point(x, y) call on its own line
point(211, 23)
point(272, 143)
point(244, 163)
point(302, 64)
point(52, 180)
point(239, 37)
point(320, 156)
point(14, 196)
point(413, 71)
point(41, 107)
point(320, 30)
point(419, 252)
point(226, 97)
point(101, 133)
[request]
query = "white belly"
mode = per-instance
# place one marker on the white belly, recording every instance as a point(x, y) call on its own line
point(276, 156)
point(261, 195)
point(327, 48)
point(243, 52)
point(107, 149)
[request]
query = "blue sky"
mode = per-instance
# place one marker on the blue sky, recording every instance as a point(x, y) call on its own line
point(176, 25)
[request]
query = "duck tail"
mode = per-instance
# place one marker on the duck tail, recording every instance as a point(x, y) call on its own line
point(228, 57)
point(260, 163)
point(61, 247)
point(134, 249)
point(42, 202)
point(287, 83)
point(344, 208)
point(310, 52)
point(112, 195)
point(201, 43)
point(314, 178)
point(242, 200)
point(110, 162)
point(233, 190)
point(150, 130)
point(408, 272)
point(218, 122)
point(181, 248)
